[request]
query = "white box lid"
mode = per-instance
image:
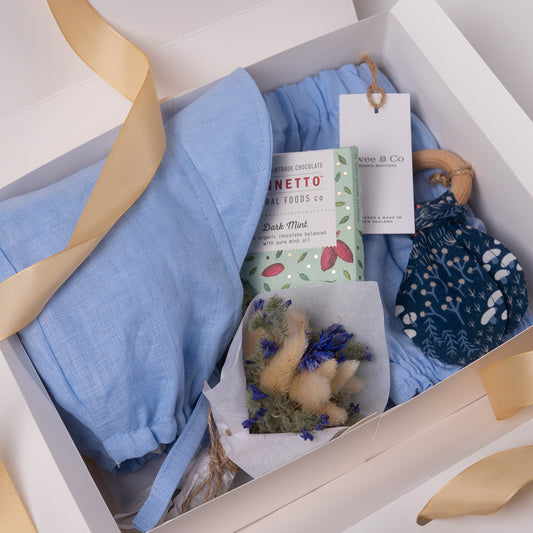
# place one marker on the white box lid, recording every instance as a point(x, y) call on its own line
point(500, 33)
point(50, 87)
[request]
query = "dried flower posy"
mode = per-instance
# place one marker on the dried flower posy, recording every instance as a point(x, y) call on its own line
point(299, 380)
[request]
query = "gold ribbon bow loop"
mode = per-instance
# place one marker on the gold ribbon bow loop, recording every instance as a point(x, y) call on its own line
point(486, 486)
point(509, 384)
point(483, 488)
point(130, 166)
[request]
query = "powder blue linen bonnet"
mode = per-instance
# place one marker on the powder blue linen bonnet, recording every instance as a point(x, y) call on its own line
point(125, 345)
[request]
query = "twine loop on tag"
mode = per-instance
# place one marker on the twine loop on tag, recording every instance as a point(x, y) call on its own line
point(373, 88)
point(219, 464)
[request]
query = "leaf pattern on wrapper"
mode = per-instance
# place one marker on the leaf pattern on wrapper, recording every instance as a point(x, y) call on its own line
point(339, 204)
point(337, 176)
point(341, 159)
point(302, 257)
point(304, 277)
point(347, 275)
point(253, 271)
point(344, 219)
point(278, 254)
point(347, 190)
point(267, 287)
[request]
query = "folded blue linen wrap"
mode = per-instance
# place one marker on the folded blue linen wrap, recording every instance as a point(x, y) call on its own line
point(126, 344)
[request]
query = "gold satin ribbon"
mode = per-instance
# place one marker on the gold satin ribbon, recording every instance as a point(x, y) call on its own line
point(13, 516)
point(489, 484)
point(509, 384)
point(131, 164)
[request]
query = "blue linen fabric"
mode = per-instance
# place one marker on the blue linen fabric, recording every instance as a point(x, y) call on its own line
point(305, 116)
point(125, 345)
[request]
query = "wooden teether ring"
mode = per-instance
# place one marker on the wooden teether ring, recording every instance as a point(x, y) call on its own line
point(460, 172)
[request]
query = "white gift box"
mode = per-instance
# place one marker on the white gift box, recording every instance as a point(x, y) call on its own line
point(391, 460)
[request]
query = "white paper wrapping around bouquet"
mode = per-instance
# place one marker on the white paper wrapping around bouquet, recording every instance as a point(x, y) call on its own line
point(355, 305)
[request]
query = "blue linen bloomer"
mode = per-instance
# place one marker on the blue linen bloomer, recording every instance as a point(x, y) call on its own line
point(305, 116)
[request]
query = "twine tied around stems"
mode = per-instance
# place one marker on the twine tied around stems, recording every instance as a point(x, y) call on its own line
point(219, 464)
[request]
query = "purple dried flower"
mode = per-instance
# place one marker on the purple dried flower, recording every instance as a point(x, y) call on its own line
point(257, 394)
point(248, 423)
point(323, 422)
point(355, 408)
point(306, 435)
point(367, 354)
point(331, 340)
point(269, 347)
point(311, 360)
point(258, 304)
point(337, 337)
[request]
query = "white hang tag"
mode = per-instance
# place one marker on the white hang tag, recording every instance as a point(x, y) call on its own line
point(385, 159)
